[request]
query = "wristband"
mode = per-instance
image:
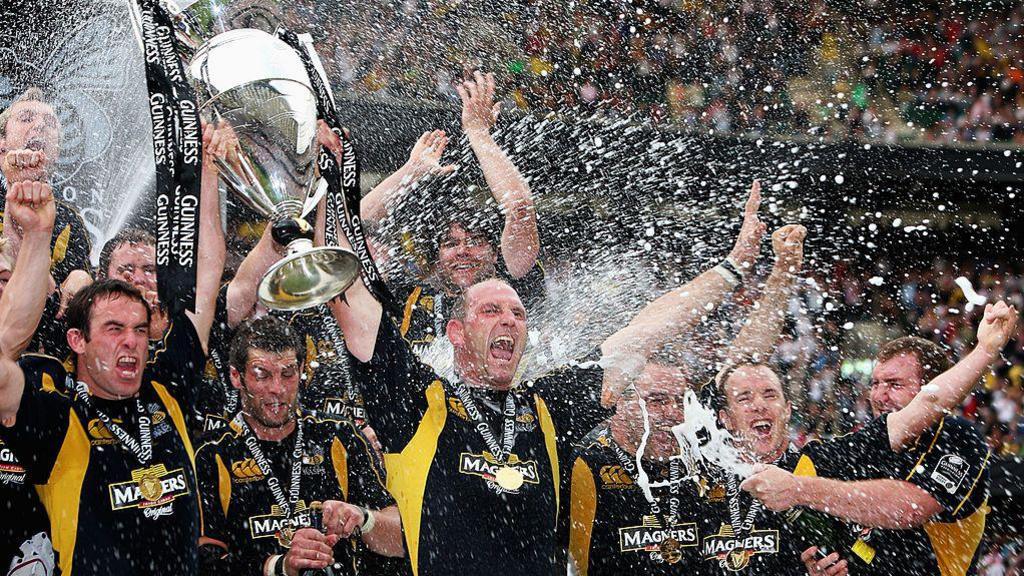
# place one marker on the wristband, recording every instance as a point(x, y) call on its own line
point(369, 522)
point(729, 277)
point(271, 565)
point(731, 265)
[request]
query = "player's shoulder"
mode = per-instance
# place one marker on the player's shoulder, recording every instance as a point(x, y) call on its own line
point(959, 432)
point(44, 372)
point(222, 443)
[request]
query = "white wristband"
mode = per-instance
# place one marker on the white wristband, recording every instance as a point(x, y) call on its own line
point(268, 565)
point(728, 276)
point(371, 522)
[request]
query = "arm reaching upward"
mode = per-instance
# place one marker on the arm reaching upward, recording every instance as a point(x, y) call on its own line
point(758, 336)
point(520, 242)
point(950, 388)
point(424, 160)
point(625, 352)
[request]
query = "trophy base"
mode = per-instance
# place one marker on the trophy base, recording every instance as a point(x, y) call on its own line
point(308, 277)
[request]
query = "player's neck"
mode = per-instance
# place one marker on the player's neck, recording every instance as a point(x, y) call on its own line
point(622, 436)
point(270, 433)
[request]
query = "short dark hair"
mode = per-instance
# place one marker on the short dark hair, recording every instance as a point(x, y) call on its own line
point(931, 358)
point(267, 333)
point(715, 396)
point(79, 312)
point(458, 308)
point(131, 236)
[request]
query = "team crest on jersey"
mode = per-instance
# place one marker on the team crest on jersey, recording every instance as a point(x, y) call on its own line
point(613, 477)
point(525, 420)
point(159, 421)
point(427, 303)
point(663, 544)
point(11, 471)
point(245, 471)
point(733, 553)
point(275, 525)
point(455, 407)
point(312, 461)
point(950, 472)
point(485, 466)
point(151, 489)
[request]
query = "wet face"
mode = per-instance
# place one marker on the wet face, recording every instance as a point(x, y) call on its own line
point(113, 354)
point(663, 389)
point(270, 386)
point(135, 264)
point(463, 259)
point(756, 412)
point(490, 339)
point(894, 383)
point(32, 125)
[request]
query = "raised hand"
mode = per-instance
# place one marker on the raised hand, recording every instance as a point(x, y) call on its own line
point(996, 327)
point(788, 245)
point(25, 164)
point(744, 253)
point(31, 206)
point(479, 112)
point(425, 158)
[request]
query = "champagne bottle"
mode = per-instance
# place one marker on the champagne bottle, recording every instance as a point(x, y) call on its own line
point(814, 528)
point(316, 522)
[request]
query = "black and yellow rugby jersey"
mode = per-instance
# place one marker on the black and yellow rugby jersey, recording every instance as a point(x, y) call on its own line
point(217, 400)
point(611, 529)
point(70, 244)
point(427, 309)
point(25, 546)
point(239, 508)
point(950, 462)
point(88, 481)
point(440, 470)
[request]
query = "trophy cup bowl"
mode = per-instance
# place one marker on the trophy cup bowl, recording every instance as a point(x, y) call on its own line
point(255, 85)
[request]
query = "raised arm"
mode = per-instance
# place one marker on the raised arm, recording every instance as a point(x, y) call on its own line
point(674, 313)
point(210, 265)
point(520, 242)
point(758, 336)
point(949, 389)
point(31, 207)
point(424, 160)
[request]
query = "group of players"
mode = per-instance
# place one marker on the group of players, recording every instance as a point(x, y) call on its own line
point(233, 440)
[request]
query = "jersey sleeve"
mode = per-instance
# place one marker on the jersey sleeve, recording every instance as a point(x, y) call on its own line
point(70, 244)
point(43, 417)
point(953, 469)
point(393, 384)
point(366, 480)
point(573, 397)
point(210, 492)
point(180, 361)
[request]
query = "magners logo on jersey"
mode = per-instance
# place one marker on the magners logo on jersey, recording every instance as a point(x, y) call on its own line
point(11, 471)
point(734, 552)
point(485, 466)
point(339, 409)
point(149, 488)
point(275, 525)
point(662, 543)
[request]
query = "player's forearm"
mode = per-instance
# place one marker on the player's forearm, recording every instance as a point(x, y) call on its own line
point(374, 206)
point(359, 315)
point(211, 254)
point(938, 397)
point(386, 537)
point(22, 303)
point(241, 296)
point(759, 335)
point(905, 505)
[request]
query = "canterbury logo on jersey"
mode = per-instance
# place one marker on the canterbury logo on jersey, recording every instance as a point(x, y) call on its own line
point(270, 525)
point(484, 466)
point(246, 471)
point(650, 535)
point(733, 553)
point(614, 477)
point(99, 434)
point(149, 487)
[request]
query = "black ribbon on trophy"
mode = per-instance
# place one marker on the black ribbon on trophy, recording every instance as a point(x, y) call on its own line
point(343, 193)
point(177, 151)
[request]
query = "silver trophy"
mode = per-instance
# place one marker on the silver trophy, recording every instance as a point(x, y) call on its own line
point(255, 85)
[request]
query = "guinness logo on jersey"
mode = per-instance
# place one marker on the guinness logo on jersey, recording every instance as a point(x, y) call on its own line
point(11, 472)
point(734, 553)
point(651, 537)
point(245, 471)
point(275, 525)
point(149, 487)
point(484, 466)
point(613, 477)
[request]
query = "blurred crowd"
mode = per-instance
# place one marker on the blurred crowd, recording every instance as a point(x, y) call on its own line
point(935, 74)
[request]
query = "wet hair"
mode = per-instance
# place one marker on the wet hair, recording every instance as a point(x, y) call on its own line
point(79, 312)
point(458, 309)
point(713, 393)
point(32, 94)
point(931, 358)
point(130, 236)
point(480, 226)
point(269, 334)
